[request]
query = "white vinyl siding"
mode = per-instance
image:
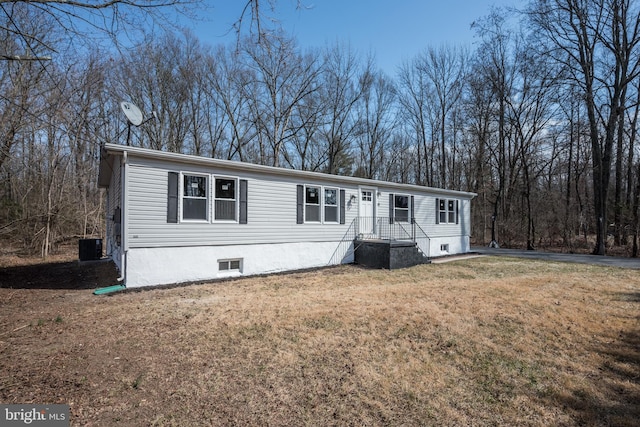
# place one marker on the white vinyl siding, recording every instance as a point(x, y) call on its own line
point(271, 209)
point(271, 212)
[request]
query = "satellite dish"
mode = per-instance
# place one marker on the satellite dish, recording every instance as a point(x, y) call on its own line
point(133, 113)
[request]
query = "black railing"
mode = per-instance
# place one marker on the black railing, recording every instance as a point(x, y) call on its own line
point(386, 228)
point(422, 240)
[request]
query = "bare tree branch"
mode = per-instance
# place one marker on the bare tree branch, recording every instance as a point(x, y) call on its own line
point(113, 19)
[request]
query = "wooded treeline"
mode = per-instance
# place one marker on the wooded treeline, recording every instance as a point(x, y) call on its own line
point(540, 120)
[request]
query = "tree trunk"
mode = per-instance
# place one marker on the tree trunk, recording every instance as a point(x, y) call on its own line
point(567, 232)
point(619, 238)
point(636, 214)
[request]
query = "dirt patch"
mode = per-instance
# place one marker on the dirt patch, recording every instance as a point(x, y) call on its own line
point(58, 274)
point(481, 341)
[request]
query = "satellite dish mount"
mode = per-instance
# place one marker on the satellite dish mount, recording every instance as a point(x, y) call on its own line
point(134, 116)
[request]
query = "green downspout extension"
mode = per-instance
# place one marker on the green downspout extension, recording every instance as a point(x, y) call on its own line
point(109, 289)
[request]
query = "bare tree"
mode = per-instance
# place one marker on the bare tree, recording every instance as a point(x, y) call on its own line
point(530, 111)
point(480, 128)
point(228, 79)
point(494, 66)
point(633, 194)
point(88, 19)
point(444, 69)
point(256, 15)
point(169, 77)
point(595, 40)
point(340, 92)
point(575, 163)
point(376, 121)
point(414, 99)
point(20, 82)
point(283, 79)
point(636, 214)
point(308, 152)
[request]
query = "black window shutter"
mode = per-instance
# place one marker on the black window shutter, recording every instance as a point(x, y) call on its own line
point(300, 205)
point(172, 198)
point(342, 208)
point(457, 211)
point(243, 201)
point(437, 211)
point(413, 218)
point(391, 200)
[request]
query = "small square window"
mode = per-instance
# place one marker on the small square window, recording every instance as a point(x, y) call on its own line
point(230, 265)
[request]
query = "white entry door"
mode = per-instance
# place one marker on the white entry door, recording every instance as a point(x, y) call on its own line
point(367, 212)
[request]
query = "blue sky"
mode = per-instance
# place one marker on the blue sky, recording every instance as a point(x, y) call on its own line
point(394, 30)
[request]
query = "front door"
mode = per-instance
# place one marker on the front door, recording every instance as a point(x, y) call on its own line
point(367, 212)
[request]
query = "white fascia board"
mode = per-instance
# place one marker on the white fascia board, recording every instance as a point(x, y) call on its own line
point(271, 170)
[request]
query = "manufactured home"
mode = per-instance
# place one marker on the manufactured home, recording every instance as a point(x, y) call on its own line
point(173, 218)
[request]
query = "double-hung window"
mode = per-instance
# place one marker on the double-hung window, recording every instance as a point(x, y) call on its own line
point(318, 204)
point(331, 205)
point(225, 199)
point(401, 208)
point(447, 211)
point(189, 197)
point(194, 197)
point(312, 204)
point(451, 211)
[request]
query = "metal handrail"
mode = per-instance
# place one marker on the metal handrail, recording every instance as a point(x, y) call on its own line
point(388, 228)
point(422, 239)
point(346, 246)
point(382, 228)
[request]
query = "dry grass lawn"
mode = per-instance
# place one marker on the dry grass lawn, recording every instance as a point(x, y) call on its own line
point(484, 341)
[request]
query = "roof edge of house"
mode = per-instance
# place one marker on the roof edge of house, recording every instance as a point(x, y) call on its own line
point(251, 167)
